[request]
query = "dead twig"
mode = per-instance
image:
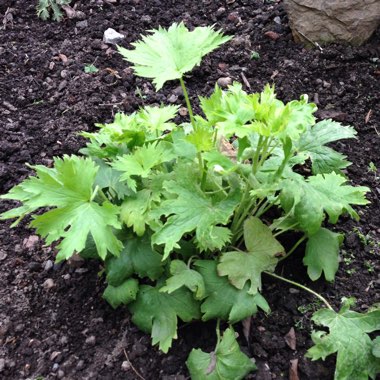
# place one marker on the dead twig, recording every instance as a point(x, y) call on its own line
point(316, 44)
point(133, 368)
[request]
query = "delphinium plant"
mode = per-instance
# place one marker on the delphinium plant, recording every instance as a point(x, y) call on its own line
point(187, 217)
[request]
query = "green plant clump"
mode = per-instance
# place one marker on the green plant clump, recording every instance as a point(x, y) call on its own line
point(51, 8)
point(187, 222)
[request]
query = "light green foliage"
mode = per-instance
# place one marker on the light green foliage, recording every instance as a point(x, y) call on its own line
point(68, 187)
point(348, 337)
point(193, 211)
point(328, 193)
point(122, 294)
point(322, 254)
point(313, 145)
point(182, 275)
point(156, 313)
point(227, 362)
point(263, 250)
point(142, 161)
point(157, 118)
point(225, 301)
point(45, 7)
point(168, 54)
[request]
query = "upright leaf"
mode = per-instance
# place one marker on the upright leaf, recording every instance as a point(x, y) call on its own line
point(312, 143)
point(122, 294)
point(168, 54)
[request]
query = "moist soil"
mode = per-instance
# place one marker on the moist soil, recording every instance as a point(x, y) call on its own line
point(53, 320)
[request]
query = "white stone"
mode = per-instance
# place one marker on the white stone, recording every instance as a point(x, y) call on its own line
point(111, 36)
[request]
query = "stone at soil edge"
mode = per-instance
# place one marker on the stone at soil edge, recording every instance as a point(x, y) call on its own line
point(325, 21)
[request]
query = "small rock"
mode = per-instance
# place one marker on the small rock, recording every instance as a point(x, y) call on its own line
point(80, 365)
point(224, 81)
point(2, 365)
point(126, 366)
point(272, 35)
point(172, 98)
point(326, 84)
point(146, 18)
point(91, 340)
point(34, 266)
point(183, 111)
point(60, 374)
point(66, 276)
point(48, 265)
point(277, 20)
point(293, 291)
point(111, 36)
point(55, 367)
point(62, 85)
point(54, 355)
point(233, 17)
point(63, 340)
point(64, 74)
point(82, 24)
point(30, 242)
point(220, 11)
point(3, 255)
point(48, 284)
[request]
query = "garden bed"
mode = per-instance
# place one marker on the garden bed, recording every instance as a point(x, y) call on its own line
point(53, 321)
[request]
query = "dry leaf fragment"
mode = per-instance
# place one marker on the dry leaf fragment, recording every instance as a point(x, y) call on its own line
point(290, 339)
point(113, 72)
point(274, 74)
point(368, 116)
point(227, 149)
point(246, 327)
point(293, 370)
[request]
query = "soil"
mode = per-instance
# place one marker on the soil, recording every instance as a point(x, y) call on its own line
point(53, 321)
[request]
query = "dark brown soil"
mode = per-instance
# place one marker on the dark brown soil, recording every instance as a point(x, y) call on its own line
point(68, 331)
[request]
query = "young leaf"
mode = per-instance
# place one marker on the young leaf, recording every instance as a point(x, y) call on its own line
point(182, 275)
point(191, 211)
point(312, 143)
point(227, 362)
point(156, 119)
point(135, 210)
point(142, 161)
point(229, 110)
point(137, 257)
point(322, 254)
point(156, 313)
point(122, 294)
point(263, 248)
point(224, 300)
point(168, 54)
point(68, 188)
point(318, 194)
point(348, 337)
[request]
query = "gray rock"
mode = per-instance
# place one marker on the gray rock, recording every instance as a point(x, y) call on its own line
point(224, 82)
point(48, 265)
point(82, 24)
point(48, 284)
point(323, 21)
point(91, 340)
point(2, 365)
point(111, 36)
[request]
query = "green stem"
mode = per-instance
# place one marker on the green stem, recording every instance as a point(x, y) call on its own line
point(188, 104)
point(295, 246)
point(302, 287)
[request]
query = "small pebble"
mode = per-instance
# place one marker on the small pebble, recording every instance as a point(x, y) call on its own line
point(277, 20)
point(224, 81)
point(233, 17)
point(82, 24)
point(293, 291)
point(272, 35)
point(48, 284)
point(112, 37)
point(91, 340)
point(60, 374)
point(125, 366)
point(2, 364)
point(172, 98)
point(48, 265)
